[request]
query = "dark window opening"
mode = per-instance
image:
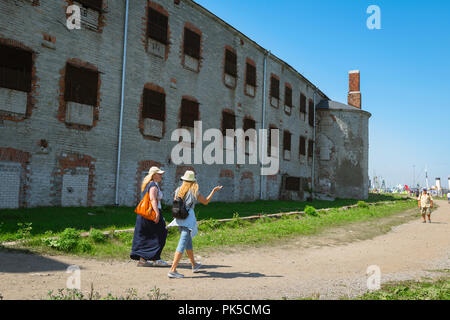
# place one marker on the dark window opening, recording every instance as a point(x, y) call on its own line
point(311, 113)
point(250, 77)
point(189, 113)
point(275, 88)
point(302, 146)
point(310, 148)
point(15, 68)
point(302, 103)
point(81, 85)
point(228, 122)
point(191, 43)
point(288, 96)
point(96, 5)
point(230, 63)
point(154, 105)
point(292, 184)
point(157, 26)
point(287, 140)
point(249, 124)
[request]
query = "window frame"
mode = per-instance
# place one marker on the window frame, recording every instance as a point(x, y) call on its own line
point(82, 96)
point(149, 97)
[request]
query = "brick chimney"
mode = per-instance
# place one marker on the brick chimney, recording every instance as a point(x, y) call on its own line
point(354, 95)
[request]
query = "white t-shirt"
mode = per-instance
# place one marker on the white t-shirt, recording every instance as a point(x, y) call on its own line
point(448, 195)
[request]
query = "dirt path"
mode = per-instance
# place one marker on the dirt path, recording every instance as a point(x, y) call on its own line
point(332, 265)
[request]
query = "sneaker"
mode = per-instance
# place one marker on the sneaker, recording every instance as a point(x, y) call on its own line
point(197, 267)
point(160, 263)
point(175, 275)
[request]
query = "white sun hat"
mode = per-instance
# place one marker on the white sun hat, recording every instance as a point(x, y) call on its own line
point(154, 170)
point(189, 176)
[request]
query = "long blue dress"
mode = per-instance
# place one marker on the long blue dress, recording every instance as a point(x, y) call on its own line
point(149, 237)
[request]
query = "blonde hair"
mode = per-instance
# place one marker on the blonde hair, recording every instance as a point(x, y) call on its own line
point(186, 186)
point(148, 178)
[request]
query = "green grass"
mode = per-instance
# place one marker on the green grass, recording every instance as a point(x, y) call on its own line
point(412, 290)
point(213, 234)
point(56, 219)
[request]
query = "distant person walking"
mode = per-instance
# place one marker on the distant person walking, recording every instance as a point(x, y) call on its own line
point(188, 191)
point(425, 205)
point(448, 196)
point(149, 236)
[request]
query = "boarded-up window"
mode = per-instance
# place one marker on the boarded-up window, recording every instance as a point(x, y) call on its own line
point(154, 105)
point(287, 140)
point(311, 113)
point(302, 103)
point(191, 43)
point(250, 76)
point(302, 146)
point(275, 88)
point(157, 26)
point(15, 68)
point(310, 148)
point(189, 113)
point(228, 121)
point(292, 184)
point(81, 85)
point(230, 63)
point(288, 96)
point(96, 5)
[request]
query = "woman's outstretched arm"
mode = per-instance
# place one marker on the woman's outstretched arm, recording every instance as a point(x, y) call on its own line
point(206, 200)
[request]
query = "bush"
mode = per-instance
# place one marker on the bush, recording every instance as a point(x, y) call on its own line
point(210, 224)
point(85, 246)
point(311, 211)
point(24, 231)
point(67, 242)
point(362, 204)
point(97, 236)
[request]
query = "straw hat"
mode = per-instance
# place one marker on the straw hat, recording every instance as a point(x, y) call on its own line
point(189, 176)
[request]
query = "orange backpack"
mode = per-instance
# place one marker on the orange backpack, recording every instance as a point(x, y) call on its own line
point(144, 208)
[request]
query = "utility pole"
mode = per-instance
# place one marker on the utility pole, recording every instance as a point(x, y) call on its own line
point(414, 176)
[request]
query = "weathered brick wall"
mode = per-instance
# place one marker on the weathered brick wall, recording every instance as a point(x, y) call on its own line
point(92, 150)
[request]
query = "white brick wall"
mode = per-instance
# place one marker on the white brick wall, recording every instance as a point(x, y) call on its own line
point(9, 184)
point(74, 190)
point(13, 101)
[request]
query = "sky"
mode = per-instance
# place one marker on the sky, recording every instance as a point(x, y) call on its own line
point(405, 69)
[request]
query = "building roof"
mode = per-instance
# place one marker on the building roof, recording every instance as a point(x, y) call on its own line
point(334, 105)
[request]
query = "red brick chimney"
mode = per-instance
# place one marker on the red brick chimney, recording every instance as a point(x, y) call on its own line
point(354, 95)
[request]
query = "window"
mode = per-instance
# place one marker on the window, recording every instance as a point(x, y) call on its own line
point(274, 88)
point(228, 121)
point(81, 85)
point(157, 26)
point(288, 96)
point(302, 103)
point(310, 148)
point(230, 63)
point(250, 75)
point(15, 68)
point(287, 140)
point(292, 184)
point(269, 142)
point(154, 105)
point(249, 124)
point(191, 43)
point(311, 113)
point(96, 5)
point(189, 113)
point(302, 146)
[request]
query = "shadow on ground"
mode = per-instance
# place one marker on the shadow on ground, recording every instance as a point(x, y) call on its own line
point(24, 261)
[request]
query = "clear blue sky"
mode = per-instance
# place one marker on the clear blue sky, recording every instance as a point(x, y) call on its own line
point(405, 69)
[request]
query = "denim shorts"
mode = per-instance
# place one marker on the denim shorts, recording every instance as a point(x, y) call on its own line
point(185, 242)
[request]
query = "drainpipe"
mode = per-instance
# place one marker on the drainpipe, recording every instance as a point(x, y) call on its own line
point(314, 147)
point(122, 93)
point(266, 55)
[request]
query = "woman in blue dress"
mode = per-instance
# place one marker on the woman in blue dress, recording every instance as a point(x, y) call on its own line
point(188, 227)
point(149, 237)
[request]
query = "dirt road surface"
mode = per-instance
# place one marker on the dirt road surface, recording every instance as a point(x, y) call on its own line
point(330, 265)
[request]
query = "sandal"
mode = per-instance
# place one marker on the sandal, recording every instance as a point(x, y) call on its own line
point(145, 264)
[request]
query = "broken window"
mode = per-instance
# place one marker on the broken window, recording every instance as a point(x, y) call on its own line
point(15, 68)
point(96, 5)
point(228, 121)
point(288, 96)
point(157, 26)
point(191, 43)
point(189, 113)
point(250, 76)
point(230, 63)
point(292, 184)
point(287, 140)
point(81, 85)
point(310, 148)
point(302, 146)
point(302, 103)
point(274, 88)
point(311, 113)
point(154, 105)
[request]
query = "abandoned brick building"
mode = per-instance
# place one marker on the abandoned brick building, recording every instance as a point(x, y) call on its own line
point(85, 114)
